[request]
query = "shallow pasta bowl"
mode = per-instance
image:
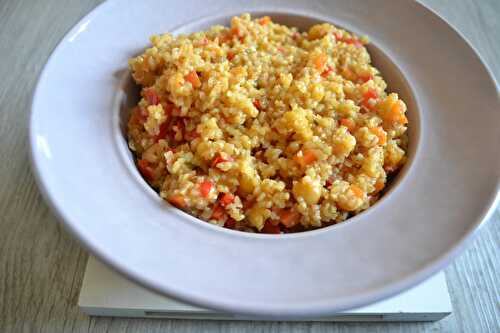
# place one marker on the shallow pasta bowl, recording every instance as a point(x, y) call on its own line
point(448, 187)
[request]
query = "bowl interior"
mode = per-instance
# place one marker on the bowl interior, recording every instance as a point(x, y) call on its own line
point(128, 92)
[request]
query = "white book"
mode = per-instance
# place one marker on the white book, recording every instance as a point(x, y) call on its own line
point(107, 293)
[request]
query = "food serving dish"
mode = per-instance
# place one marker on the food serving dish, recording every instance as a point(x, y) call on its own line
point(446, 189)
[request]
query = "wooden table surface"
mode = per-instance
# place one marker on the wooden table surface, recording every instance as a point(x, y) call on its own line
point(41, 266)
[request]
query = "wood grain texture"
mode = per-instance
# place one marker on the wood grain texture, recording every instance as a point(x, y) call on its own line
point(41, 266)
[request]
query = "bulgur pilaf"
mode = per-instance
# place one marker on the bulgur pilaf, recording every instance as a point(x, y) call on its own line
point(259, 127)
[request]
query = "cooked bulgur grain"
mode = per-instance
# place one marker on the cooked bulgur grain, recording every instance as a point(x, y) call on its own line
point(259, 127)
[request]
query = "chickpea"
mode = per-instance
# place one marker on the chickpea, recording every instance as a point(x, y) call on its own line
point(257, 217)
point(308, 189)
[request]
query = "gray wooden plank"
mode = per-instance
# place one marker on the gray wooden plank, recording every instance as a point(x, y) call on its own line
point(41, 266)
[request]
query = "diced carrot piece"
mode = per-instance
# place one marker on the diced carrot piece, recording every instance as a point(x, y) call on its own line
point(348, 74)
point(394, 117)
point(320, 61)
point(327, 71)
point(171, 110)
point(264, 20)
point(177, 200)
point(366, 77)
point(192, 77)
point(396, 114)
point(371, 93)
point(381, 135)
point(151, 96)
point(225, 37)
point(308, 157)
point(289, 217)
point(397, 107)
point(164, 127)
point(356, 42)
point(357, 191)
point(218, 212)
point(270, 228)
point(230, 223)
point(257, 104)
point(226, 199)
point(337, 149)
point(353, 41)
point(349, 123)
point(219, 159)
point(236, 31)
point(403, 120)
point(145, 169)
point(379, 185)
point(205, 188)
